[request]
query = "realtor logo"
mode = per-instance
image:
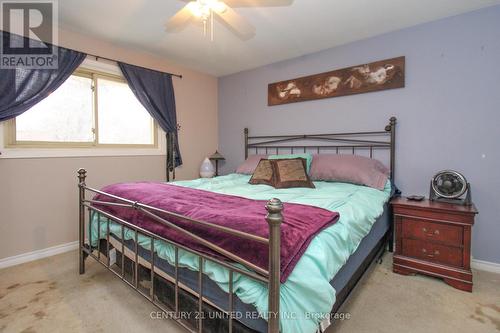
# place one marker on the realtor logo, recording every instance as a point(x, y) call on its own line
point(33, 34)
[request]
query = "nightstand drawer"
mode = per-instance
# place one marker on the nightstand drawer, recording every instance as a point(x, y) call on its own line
point(432, 252)
point(432, 231)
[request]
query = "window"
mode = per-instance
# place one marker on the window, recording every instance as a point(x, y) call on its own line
point(122, 118)
point(89, 109)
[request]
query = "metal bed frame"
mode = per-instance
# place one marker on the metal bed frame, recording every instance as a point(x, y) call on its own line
point(339, 142)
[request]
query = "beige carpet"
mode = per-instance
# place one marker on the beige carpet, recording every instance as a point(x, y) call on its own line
point(49, 296)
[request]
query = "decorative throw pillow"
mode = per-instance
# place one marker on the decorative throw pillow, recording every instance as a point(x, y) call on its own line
point(263, 173)
point(353, 169)
point(306, 156)
point(291, 173)
point(248, 167)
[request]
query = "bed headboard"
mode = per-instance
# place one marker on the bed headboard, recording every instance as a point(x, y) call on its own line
point(356, 143)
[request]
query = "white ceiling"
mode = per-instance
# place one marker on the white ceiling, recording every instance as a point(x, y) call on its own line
point(282, 33)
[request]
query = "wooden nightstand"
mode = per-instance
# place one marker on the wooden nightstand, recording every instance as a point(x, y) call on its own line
point(434, 238)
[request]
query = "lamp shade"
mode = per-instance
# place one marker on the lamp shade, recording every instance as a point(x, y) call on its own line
point(216, 156)
point(207, 169)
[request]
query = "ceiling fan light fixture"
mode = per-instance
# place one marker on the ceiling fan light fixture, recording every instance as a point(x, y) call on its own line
point(207, 11)
point(203, 8)
point(218, 7)
point(198, 9)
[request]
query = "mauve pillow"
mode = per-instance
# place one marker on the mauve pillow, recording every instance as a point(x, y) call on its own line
point(350, 169)
point(248, 167)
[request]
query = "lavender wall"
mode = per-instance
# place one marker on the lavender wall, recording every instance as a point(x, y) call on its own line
point(448, 113)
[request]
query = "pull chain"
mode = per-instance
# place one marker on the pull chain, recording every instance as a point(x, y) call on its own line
point(211, 25)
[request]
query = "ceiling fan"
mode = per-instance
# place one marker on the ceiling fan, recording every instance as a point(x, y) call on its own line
point(207, 10)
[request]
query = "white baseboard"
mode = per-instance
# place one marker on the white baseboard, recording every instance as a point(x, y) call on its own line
point(485, 266)
point(39, 254)
point(52, 251)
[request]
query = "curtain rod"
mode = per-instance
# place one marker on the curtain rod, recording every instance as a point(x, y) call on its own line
point(99, 57)
point(113, 60)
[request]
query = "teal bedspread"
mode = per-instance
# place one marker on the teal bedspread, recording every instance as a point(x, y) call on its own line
point(307, 294)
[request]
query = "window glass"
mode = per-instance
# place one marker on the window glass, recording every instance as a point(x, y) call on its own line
point(75, 111)
point(64, 116)
point(122, 118)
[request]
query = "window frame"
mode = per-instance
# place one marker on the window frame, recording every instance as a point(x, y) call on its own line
point(10, 139)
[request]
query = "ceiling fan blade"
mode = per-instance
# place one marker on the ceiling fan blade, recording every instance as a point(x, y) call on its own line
point(237, 23)
point(181, 18)
point(258, 3)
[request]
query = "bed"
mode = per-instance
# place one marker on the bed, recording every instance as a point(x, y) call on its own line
point(233, 295)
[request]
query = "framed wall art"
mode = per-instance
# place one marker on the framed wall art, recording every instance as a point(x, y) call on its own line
point(375, 76)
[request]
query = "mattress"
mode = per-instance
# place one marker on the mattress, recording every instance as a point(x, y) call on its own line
point(368, 243)
point(248, 314)
point(308, 292)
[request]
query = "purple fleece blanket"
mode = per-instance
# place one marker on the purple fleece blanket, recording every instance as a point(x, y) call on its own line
point(301, 222)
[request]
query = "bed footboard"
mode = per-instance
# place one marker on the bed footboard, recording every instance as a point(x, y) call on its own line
point(271, 276)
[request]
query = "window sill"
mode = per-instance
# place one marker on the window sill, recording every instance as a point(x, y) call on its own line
point(41, 152)
point(77, 152)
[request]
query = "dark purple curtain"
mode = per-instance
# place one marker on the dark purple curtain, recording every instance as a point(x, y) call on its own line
point(22, 88)
point(155, 91)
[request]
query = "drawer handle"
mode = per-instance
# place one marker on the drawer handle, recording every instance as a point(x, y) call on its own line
point(430, 234)
point(431, 255)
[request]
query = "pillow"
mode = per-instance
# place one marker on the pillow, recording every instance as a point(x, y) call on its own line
point(291, 173)
point(307, 157)
point(350, 169)
point(263, 173)
point(248, 167)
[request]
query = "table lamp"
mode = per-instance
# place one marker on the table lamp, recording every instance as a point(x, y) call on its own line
point(216, 157)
